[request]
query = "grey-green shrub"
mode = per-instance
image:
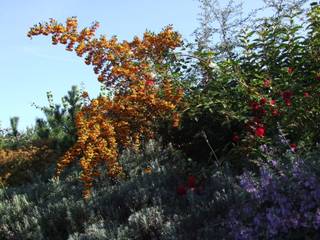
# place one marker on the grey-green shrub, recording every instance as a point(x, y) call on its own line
point(144, 206)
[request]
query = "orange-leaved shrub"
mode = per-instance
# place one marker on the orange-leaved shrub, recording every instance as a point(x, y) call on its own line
point(16, 165)
point(144, 92)
point(24, 153)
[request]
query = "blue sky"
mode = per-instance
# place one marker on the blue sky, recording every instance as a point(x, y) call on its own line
point(30, 68)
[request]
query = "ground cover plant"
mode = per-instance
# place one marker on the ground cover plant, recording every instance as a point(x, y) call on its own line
point(205, 140)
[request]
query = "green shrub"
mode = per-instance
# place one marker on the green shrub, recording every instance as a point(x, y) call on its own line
point(267, 85)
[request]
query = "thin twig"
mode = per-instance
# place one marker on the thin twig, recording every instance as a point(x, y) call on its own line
point(207, 141)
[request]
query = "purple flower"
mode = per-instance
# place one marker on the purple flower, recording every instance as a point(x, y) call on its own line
point(317, 219)
point(266, 177)
point(282, 199)
point(244, 234)
point(247, 183)
point(294, 222)
point(274, 163)
point(311, 182)
point(274, 222)
point(316, 194)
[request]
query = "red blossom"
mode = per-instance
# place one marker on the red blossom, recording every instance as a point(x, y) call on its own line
point(288, 102)
point(181, 190)
point(263, 101)
point(266, 83)
point(191, 181)
point(260, 132)
point(290, 70)
point(254, 106)
point(293, 147)
point(275, 112)
point(235, 138)
point(149, 82)
point(306, 94)
point(272, 102)
point(286, 95)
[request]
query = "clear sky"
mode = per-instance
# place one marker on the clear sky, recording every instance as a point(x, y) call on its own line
point(30, 68)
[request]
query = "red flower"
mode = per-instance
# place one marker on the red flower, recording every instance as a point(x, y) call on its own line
point(306, 94)
point(272, 102)
point(181, 190)
point(191, 181)
point(254, 106)
point(266, 83)
point(288, 102)
point(286, 95)
point(235, 138)
point(290, 70)
point(263, 101)
point(275, 112)
point(293, 147)
point(260, 132)
point(149, 82)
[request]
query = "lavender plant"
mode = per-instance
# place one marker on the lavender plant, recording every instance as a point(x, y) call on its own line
point(282, 202)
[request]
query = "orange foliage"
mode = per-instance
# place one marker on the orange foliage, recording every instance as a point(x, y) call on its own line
point(9, 157)
point(143, 93)
point(116, 63)
point(25, 154)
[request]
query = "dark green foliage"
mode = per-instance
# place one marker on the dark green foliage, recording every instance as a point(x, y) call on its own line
point(42, 129)
point(281, 49)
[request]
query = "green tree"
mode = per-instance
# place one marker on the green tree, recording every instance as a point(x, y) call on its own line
point(14, 126)
point(59, 122)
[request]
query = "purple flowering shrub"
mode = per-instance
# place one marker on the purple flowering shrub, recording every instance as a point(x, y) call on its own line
point(282, 202)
